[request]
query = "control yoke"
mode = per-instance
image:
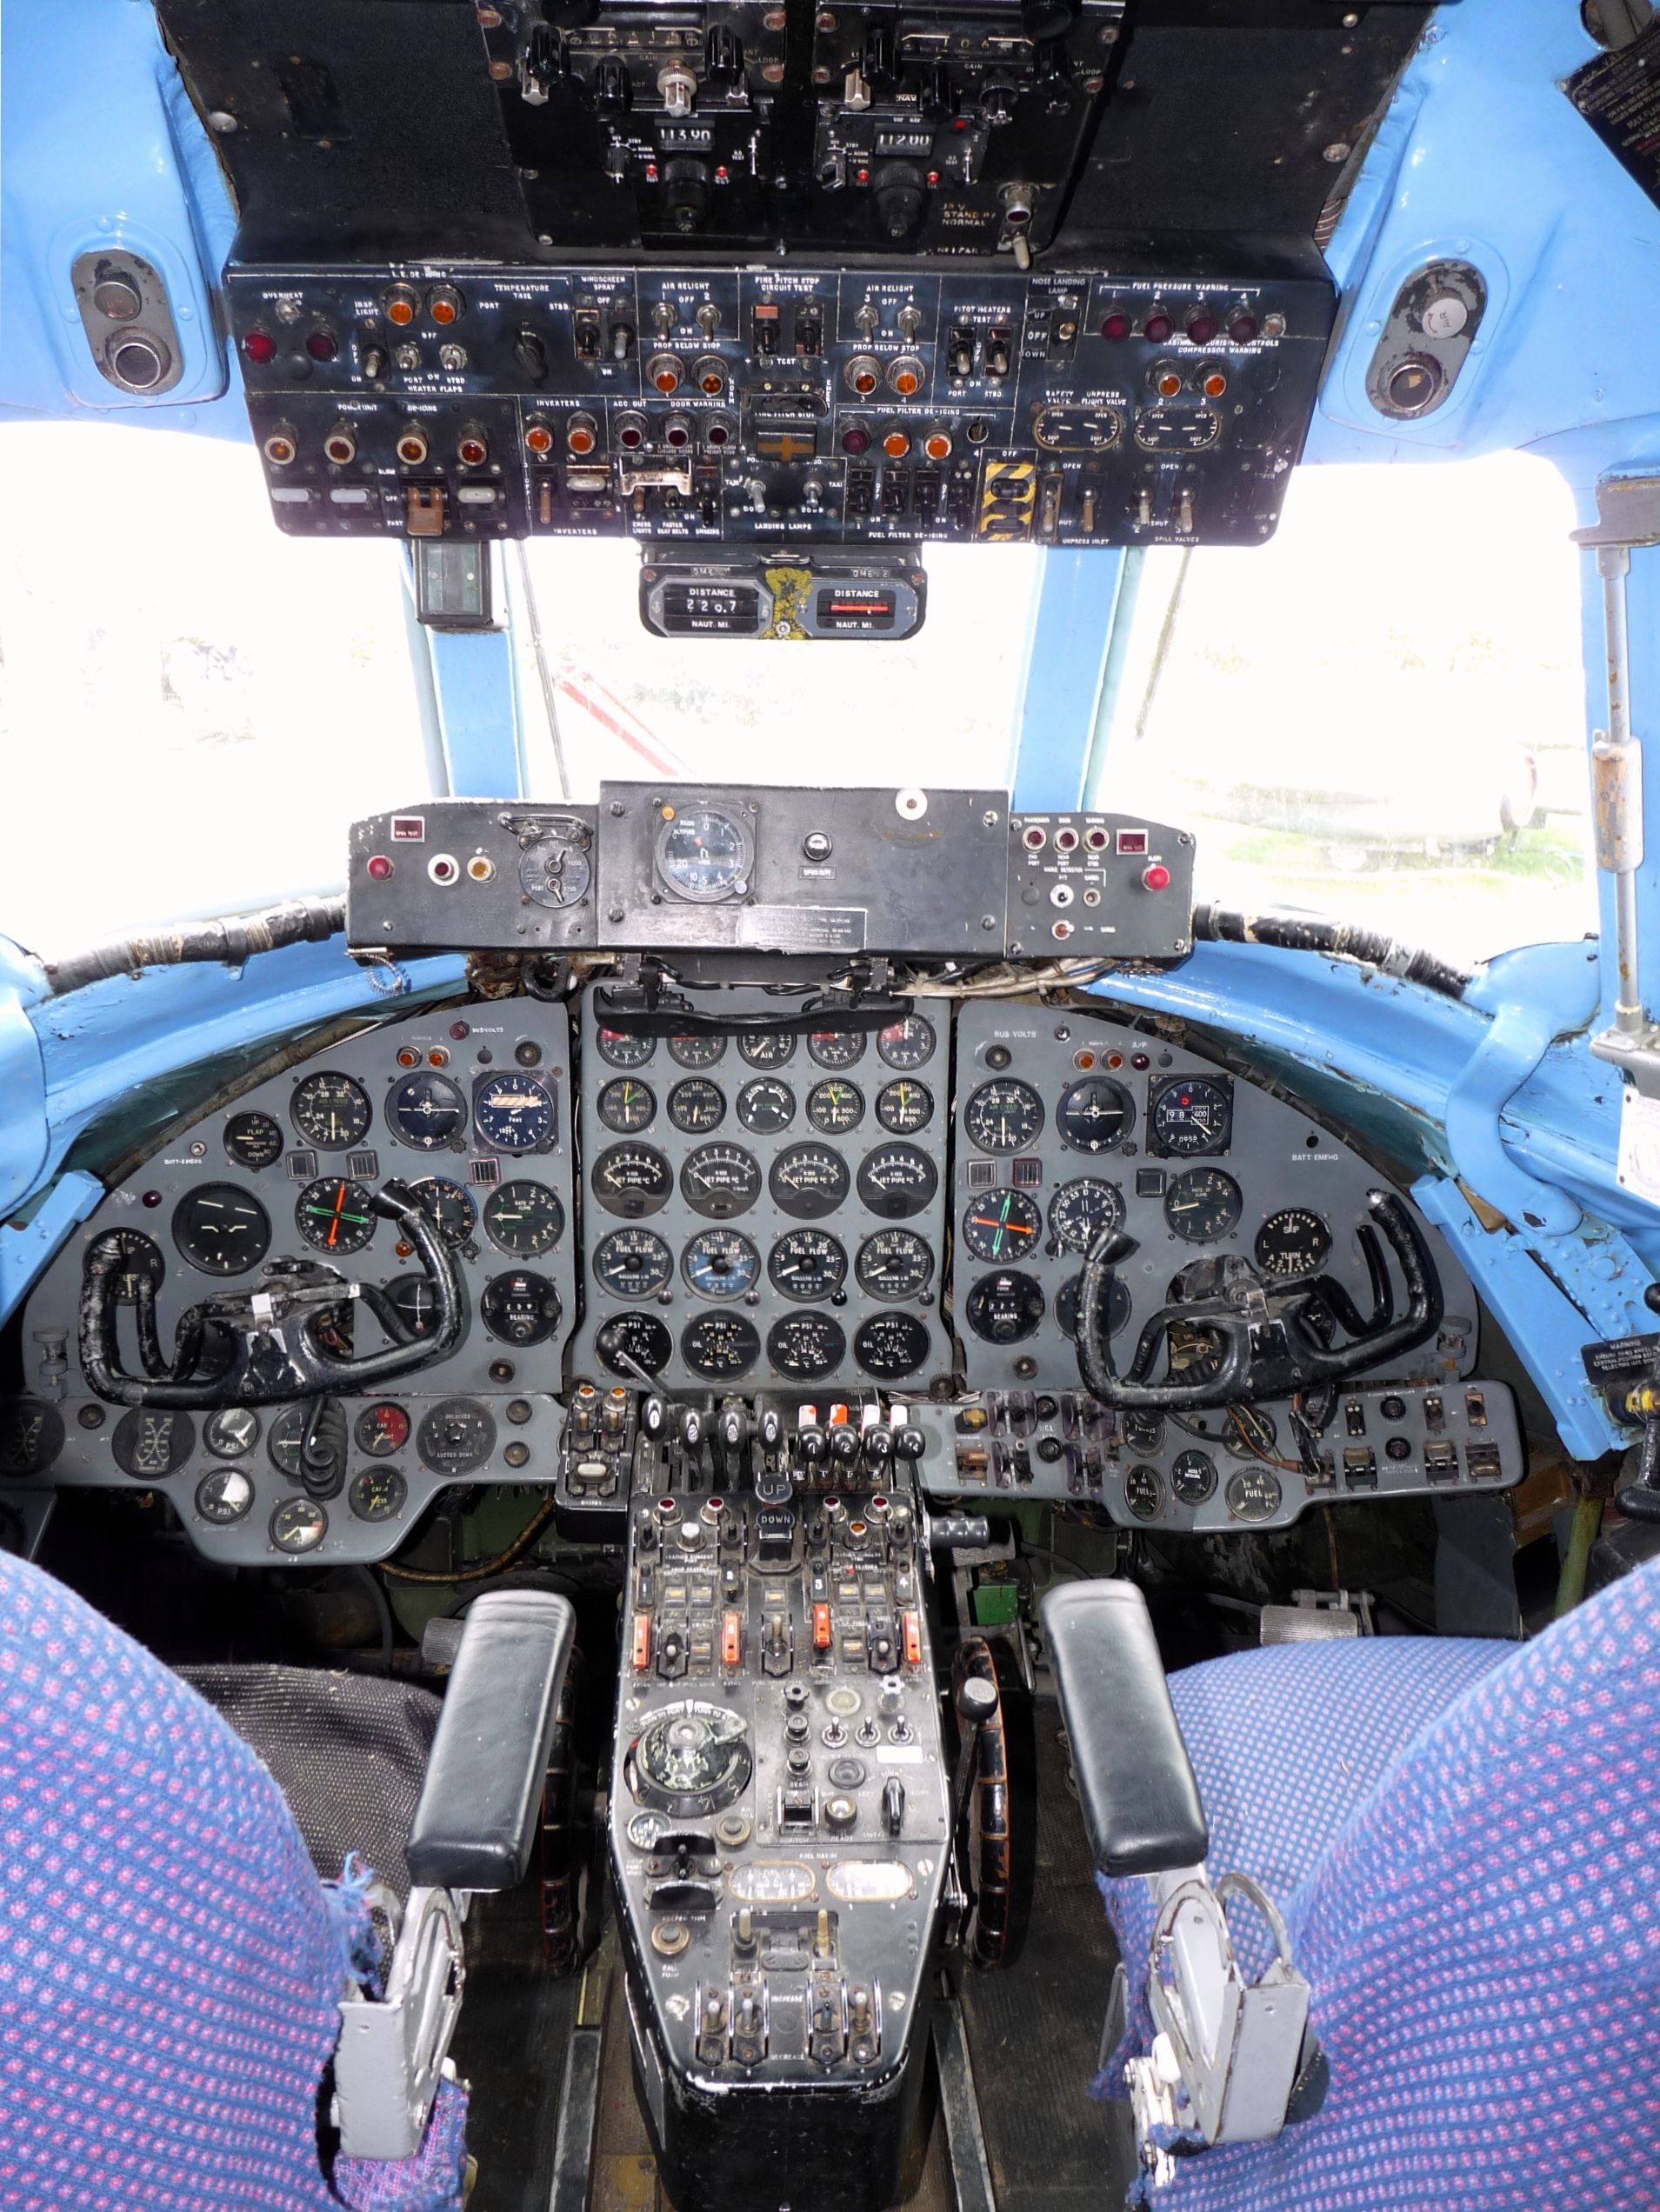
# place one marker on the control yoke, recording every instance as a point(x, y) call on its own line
point(265, 1346)
point(1270, 1340)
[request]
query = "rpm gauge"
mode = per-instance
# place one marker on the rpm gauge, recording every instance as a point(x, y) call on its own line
point(523, 1219)
point(1004, 1308)
point(808, 1181)
point(698, 1048)
point(221, 1229)
point(626, 1105)
point(1202, 1204)
point(1004, 1116)
point(807, 1264)
point(834, 1106)
point(720, 1346)
point(253, 1140)
point(623, 1050)
point(766, 1106)
point(704, 855)
point(697, 1105)
point(719, 1180)
point(894, 1263)
point(426, 1111)
point(1000, 1225)
point(806, 1347)
point(720, 1263)
point(331, 1112)
point(336, 1214)
point(905, 1107)
point(837, 1048)
point(631, 1179)
point(909, 1043)
point(897, 1180)
point(514, 1113)
point(632, 1264)
point(1094, 1114)
point(1293, 1242)
point(1081, 1208)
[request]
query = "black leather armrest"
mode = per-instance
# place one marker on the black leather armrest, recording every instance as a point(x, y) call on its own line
point(1141, 1800)
point(475, 1822)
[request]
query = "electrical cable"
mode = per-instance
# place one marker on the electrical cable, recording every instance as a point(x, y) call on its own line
point(481, 1569)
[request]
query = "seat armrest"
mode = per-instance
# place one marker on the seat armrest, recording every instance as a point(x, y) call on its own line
point(476, 1821)
point(1141, 1800)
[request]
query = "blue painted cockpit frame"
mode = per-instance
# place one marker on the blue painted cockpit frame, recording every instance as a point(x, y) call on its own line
point(1493, 1107)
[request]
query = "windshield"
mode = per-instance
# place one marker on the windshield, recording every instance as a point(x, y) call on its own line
point(1379, 715)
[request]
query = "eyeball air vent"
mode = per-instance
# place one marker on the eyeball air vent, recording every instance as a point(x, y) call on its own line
point(128, 323)
point(1427, 334)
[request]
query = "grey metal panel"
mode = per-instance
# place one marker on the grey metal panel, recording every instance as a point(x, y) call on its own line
point(421, 904)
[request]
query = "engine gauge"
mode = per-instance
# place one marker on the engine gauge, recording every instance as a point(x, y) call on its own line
point(1142, 1431)
point(149, 1445)
point(426, 1111)
point(284, 1438)
point(381, 1429)
point(905, 1107)
point(514, 1113)
point(254, 1140)
point(807, 1264)
point(519, 1308)
point(555, 870)
point(1004, 1308)
point(768, 1048)
point(138, 1259)
point(1118, 1311)
point(626, 1104)
point(894, 1263)
point(299, 1524)
point(806, 1346)
point(631, 1179)
point(1293, 1242)
point(698, 1048)
point(231, 1431)
point(909, 1043)
point(414, 1303)
point(331, 1111)
point(449, 1207)
point(1193, 1478)
point(837, 1048)
point(1202, 1204)
point(523, 1219)
point(697, 1105)
point(834, 1106)
point(1004, 1116)
point(720, 1180)
point(1000, 1225)
point(897, 1180)
point(808, 1181)
point(1144, 1492)
point(720, 1263)
point(32, 1436)
point(889, 1345)
point(336, 1214)
point(224, 1495)
point(377, 1493)
point(630, 1344)
point(1189, 1114)
point(1081, 1208)
point(720, 1346)
point(454, 1436)
point(766, 1106)
point(1253, 1494)
point(1094, 1114)
point(632, 1264)
point(221, 1230)
point(623, 1050)
point(704, 855)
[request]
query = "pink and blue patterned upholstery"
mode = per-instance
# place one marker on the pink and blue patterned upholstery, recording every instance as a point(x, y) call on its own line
point(1465, 1840)
point(170, 1966)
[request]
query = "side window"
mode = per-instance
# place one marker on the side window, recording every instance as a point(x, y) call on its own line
point(1380, 714)
point(192, 707)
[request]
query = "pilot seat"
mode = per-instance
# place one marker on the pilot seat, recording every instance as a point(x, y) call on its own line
point(1386, 1907)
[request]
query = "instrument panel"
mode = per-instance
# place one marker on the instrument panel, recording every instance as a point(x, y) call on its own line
point(764, 1206)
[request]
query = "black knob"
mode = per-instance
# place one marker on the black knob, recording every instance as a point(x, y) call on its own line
point(909, 1443)
point(769, 1427)
point(531, 356)
point(613, 87)
point(893, 1806)
point(689, 1427)
point(843, 1444)
point(878, 1446)
point(900, 199)
point(810, 1445)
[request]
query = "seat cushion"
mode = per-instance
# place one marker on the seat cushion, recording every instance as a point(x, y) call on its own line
point(349, 1753)
point(1481, 1933)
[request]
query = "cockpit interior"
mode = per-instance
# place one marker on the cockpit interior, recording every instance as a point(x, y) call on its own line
point(830, 1147)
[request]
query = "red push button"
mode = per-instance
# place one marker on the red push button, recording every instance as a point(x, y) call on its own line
point(1156, 877)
